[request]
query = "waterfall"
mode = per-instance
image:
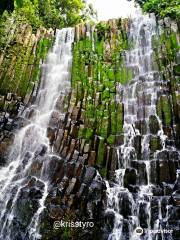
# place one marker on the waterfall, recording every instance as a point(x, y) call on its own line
point(27, 173)
point(131, 211)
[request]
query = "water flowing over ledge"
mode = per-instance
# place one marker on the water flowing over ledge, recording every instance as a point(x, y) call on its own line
point(26, 167)
point(100, 143)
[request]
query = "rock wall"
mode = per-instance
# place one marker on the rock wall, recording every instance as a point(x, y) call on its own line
point(93, 128)
point(21, 54)
point(166, 51)
point(87, 138)
point(95, 113)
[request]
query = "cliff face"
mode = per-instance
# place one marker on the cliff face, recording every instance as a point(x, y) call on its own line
point(93, 128)
point(21, 54)
point(166, 54)
point(95, 115)
point(90, 135)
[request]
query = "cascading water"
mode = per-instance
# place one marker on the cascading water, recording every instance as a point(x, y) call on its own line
point(26, 167)
point(132, 209)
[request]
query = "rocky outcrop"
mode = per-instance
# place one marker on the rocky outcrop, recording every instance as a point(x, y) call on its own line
point(166, 54)
point(95, 116)
point(21, 54)
point(86, 137)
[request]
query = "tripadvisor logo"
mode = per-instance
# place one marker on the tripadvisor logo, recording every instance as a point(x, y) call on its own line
point(139, 231)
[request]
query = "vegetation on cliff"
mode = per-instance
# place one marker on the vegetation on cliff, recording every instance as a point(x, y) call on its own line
point(162, 8)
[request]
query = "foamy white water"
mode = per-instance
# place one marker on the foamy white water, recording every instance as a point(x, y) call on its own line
point(32, 139)
point(139, 59)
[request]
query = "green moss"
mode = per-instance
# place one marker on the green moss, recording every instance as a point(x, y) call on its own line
point(176, 70)
point(119, 118)
point(97, 67)
point(105, 94)
point(113, 123)
point(89, 133)
point(110, 74)
point(155, 144)
point(164, 110)
point(100, 48)
point(103, 131)
point(111, 139)
point(101, 150)
point(23, 61)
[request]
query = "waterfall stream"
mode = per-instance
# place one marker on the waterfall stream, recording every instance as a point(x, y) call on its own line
point(31, 142)
point(133, 211)
point(96, 114)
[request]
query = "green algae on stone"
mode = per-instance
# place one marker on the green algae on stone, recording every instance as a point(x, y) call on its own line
point(164, 110)
point(155, 143)
point(21, 64)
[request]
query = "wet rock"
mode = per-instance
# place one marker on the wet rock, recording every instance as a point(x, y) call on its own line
point(79, 170)
point(29, 198)
point(83, 191)
point(89, 175)
point(163, 155)
point(141, 126)
point(70, 168)
point(92, 158)
point(19, 122)
point(167, 188)
point(36, 168)
point(177, 183)
point(174, 212)
point(154, 210)
point(114, 160)
point(143, 214)
point(63, 185)
point(129, 177)
point(41, 150)
point(153, 172)
point(74, 131)
point(75, 113)
point(55, 169)
point(155, 144)
point(51, 134)
point(164, 205)
point(73, 187)
point(75, 155)
point(119, 140)
point(54, 119)
point(164, 173)
point(56, 212)
point(71, 149)
point(157, 190)
point(141, 171)
point(125, 204)
point(95, 190)
point(4, 146)
point(137, 145)
point(176, 198)
point(109, 219)
point(174, 155)
point(58, 139)
point(27, 157)
point(153, 124)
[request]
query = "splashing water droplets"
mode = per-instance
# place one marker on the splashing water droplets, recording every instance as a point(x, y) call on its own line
point(31, 143)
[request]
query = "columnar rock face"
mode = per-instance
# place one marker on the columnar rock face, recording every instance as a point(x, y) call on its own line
point(166, 54)
point(92, 132)
point(21, 53)
point(94, 121)
point(87, 131)
point(92, 126)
